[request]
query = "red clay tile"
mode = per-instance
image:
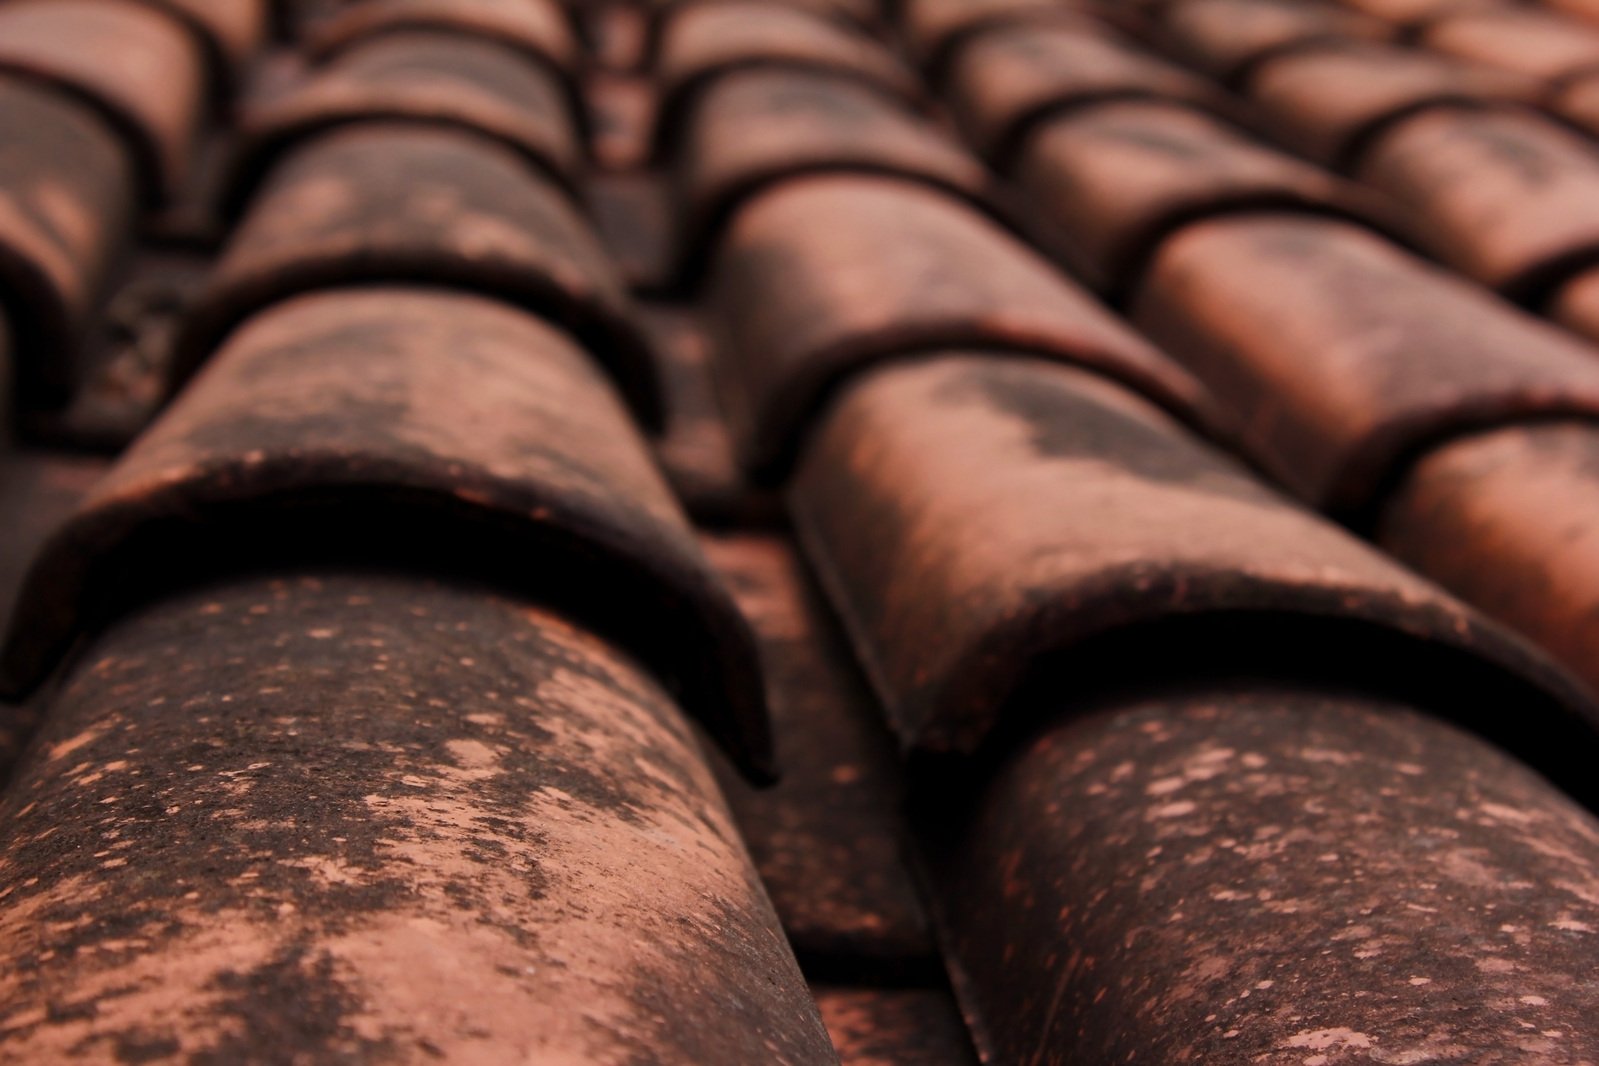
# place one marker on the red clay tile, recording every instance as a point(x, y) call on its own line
point(39, 491)
point(1255, 870)
point(126, 352)
point(895, 1026)
point(1331, 102)
point(1414, 12)
point(707, 40)
point(332, 420)
point(66, 210)
point(136, 66)
point(1009, 79)
point(855, 14)
point(228, 32)
point(540, 29)
point(392, 202)
point(1229, 38)
point(829, 840)
point(974, 517)
point(429, 78)
point(1506, 519)
point(1576, 305)
point(1339, 356)
point(1587, 10)
point(1526, 41)
point(336, 817)
point(1113, 181)
point(752, 130)
point(826, 276)
point(1505, 196)
point(936, 30)
point(1577, 102)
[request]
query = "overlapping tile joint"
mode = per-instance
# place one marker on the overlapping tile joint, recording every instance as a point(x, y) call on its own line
point(1128, 471)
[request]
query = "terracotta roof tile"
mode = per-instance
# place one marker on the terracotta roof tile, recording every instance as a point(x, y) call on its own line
point(425, 77)
point(39, 490)
point(482, 299)
point(375, 816)
point(1526, 41)
point(1505, 196)
point(1576, 305)
point(1214, 871)
point(1339, 356)
point(229, 34)
point(1577, 103)
point(134, 65)
point(1502, 518)
point(1111, 182)
point(1009, 78)
point(751, 131)
point(540, 29)
point(971, 516)
point(388, 202)
point(329, 418)
point(1414, 12)
point(1229, 39)
point(1331, 102)
point(1587, 10)
point(936, 30)
point(66, 210)
point(825, 276)
point(707, 40)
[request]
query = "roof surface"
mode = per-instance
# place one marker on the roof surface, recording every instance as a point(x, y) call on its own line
point(1129, 473)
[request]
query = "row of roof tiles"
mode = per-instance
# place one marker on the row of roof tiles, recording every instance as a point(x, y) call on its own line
point(1139, 689)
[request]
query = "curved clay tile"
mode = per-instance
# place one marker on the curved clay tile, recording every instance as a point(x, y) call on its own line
point(136, 66)
point(829, 839)
point(936, 30)
point(1111, 182)
point(442, 430)
point(827, 276)
point(228, 32)
point(857, 15)
point(409, 204)
point(1332, 102)
point(331, 816)
point(1505, 196)
point(753, 130)
point(1535, 44)
point(1009, 79)
point(66, 209)
point(1506, 519)
point(1576, 305)
point(976, 519)
point(1339, 356)
point(539, 28)
point(1228, 38)
point(1587, 10)
point(1414, 13)
point(428, 78)
point(1577, 103)
point(1263, 870)
point(705, 41)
